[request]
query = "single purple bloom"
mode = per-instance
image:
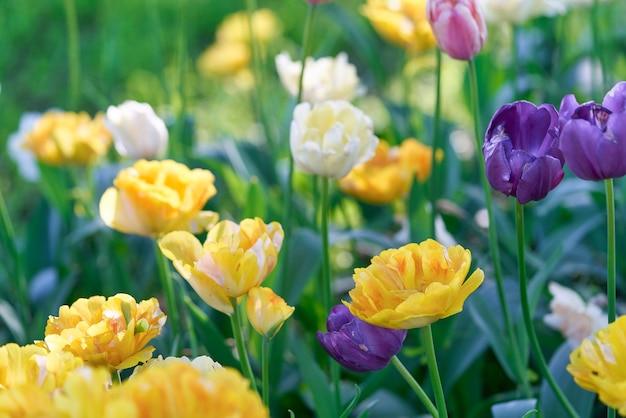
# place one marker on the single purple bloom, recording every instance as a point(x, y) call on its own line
point(521, 154)
point(357, 345)
point(593, 136)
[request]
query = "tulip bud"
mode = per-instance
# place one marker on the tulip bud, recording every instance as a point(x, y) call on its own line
point(267, 311)
point(357, 345)
point(331, 138)
point(137, 131)
point(459, 27)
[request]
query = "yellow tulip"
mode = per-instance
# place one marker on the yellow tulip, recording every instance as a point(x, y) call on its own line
point(401, 22)
point(267, 312)
point(177, 389)
point(67, 138)
point(152, 198)
point(381, 179)
point(413, 286)
point(234, 259)
point(111, 332)
point(34, 364)
point(27, 401)
point(599, 365)
point(235, 27)
point(224, 58)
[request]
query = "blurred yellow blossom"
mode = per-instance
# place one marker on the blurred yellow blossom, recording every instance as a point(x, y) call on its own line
point(401, 22)
point(414, 285)
point(599, 365)
point(68, 138)
point(177, 389)
point(204, 364)
point(27, 401)
point(233, 259)
point(111, 331)
point(267, 312)
point(152, 198)
point(230, 54)
point(418, 157)
point(379, 180)
point(34, 364)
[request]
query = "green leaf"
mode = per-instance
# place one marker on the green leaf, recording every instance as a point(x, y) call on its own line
point(518, 408)
point(353, 402)
point(9, 316)
point(314, 379)
point(581, 400)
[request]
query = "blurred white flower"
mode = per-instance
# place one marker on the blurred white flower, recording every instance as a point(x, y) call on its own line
point(518, 11)
point(330, 138)
point(204, 364)
point(575, 319)
point(24, 159)
point(137, 131)
point(325, 78)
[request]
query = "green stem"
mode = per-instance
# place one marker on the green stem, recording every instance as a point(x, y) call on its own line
point(433, 370)
point(177, 145)
point(165, 275)
point(116, 379)
point(265, 369)
point(8, 236)
point(235, 322)
point(408, 377)
point(288, 206)
point(596, 23)
point(493, 237)
point(257, 66)
point(610, 260)
point(435, 176)
point(73, 53)
point(528, 322)
point(327, 283)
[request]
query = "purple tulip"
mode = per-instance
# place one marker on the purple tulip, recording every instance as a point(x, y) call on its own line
point(357, 345)
point(593, 136)
point(521, 152)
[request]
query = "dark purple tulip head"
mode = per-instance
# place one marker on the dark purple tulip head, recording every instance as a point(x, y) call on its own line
point(522, 158)
point(593, 136)
point(357, 345)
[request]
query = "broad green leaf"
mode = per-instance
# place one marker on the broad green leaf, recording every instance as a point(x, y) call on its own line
point(519, 408)
point(580, 399)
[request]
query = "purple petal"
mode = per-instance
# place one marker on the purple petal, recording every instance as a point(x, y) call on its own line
point(578, 143)
point(615, 99)
point(539, 178)
point(566, 110)
point(497, 165)
point(339, 316)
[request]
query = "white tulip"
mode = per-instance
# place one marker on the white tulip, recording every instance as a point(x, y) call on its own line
point(330, 138)
point(325, 78)
point(137, 131)
point(575, 319)
point(25, 160)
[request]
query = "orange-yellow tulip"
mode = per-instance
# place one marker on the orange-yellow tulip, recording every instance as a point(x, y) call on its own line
point(267, 312)
point(413, 286)
point(152, 198)
point(234, 259)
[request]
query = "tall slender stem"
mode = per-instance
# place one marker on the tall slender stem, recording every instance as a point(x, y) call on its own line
point(528, 322)
point(8, 235)
point(433, 370)
point(265, 370)
point(610, 260)
point(288, 206)
point(177, 146)
point(408, 377)
point(165, 275)
point(493, 237)
point(73, 53)
point(235, 322)
point(435, 176)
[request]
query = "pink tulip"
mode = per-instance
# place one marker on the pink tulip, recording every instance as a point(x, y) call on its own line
point(458, 25)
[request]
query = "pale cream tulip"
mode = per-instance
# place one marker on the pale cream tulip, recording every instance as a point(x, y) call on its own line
point(330, 138)
point(325, 78)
